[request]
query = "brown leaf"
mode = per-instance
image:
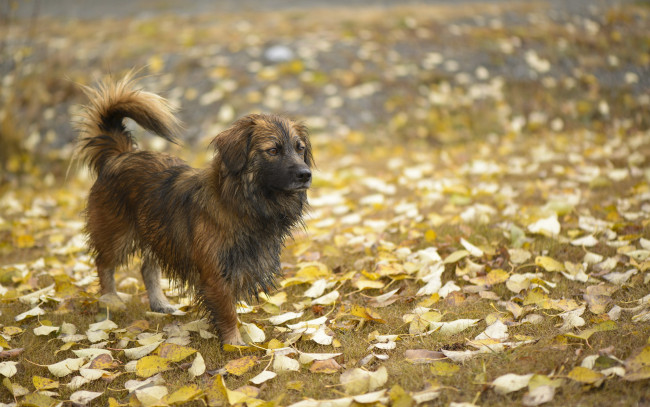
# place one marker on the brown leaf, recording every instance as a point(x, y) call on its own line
point(423, 356)
point(326, 366)
point(103, 361)
point(598, 297)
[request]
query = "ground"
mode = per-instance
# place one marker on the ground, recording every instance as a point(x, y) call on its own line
point(478, 232)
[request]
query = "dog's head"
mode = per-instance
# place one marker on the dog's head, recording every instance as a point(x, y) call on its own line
point(273, 150)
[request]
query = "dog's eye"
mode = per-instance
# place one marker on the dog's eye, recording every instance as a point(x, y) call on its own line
point(272, 151)
point(300, 148)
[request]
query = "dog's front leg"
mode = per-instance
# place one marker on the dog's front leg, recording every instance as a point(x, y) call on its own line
point(216, 295)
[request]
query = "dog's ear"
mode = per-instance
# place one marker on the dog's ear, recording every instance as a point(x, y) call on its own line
point(303, 133)
point(233, 143)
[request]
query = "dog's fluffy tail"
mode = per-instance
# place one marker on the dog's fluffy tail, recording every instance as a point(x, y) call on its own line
point(102, 134)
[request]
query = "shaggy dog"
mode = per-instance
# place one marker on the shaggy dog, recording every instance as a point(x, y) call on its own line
point(217, 231)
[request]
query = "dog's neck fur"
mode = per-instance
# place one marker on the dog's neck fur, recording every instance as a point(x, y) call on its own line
point(248, 274)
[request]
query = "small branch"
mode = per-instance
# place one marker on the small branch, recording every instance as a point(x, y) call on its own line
point(7, 354)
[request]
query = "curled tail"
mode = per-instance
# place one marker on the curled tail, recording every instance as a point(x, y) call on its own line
point(102, 134)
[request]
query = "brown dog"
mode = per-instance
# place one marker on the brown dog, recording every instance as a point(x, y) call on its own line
point(217, 231)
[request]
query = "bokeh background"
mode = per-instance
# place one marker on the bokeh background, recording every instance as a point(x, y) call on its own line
point(430, 72)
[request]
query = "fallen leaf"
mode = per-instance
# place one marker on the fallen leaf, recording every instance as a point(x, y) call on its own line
point(284, 363)
point(66, 366)
point(263, 377)
point(510, 382)
point(84, 397)
point(45, 330)
point(43, 383)
point(586, 376)
point(174, 353)
point(549, 263)
point(444, 369)
point(184, 395)
point(423, 356)
point(357, 381)
point(538, 395)
point(150, 365)
point(8, 369)
point(637, 367)
point(198, 366)
point(549, 226)
point(327, 366)
point(240, 366)
point(141, 351)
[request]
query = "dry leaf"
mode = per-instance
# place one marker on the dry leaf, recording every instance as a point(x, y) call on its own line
point(240, 366)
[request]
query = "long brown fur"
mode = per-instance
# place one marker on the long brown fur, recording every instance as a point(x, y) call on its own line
point(216, 231)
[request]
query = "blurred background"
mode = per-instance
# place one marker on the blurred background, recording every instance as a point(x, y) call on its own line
point(427, 73)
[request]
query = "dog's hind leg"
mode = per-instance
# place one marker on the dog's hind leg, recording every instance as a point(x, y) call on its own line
point(151, 276)
point(106, 273)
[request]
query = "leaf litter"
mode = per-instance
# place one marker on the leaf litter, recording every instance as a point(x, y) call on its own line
point(479, 227)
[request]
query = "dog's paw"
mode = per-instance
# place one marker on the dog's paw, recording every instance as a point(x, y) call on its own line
point(163, 307)
point(234, 339)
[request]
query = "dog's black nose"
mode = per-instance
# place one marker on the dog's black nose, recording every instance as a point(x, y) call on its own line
point(303, 175)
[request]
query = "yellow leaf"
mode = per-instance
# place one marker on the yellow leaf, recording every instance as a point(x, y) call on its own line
point(12, 330)
point(278, 299)
point(313, 271)
point(295, 385)
point(275, 344)
point(363, 284)
point(444, 369)
point(215, 391)
point(4, 344)
point(429, 301)
point(156, 64)
point(366, 313)
point(234, 348)
point(585, 375)
point(38, 400)
point(495, 276)
point(389, 269)
point(150, 365)
point(242, 365)
point(637, 367)
point(430, 235)
point(184, 395)
point(43, 383)
point(586, 334)
point(538, 297)
point(549, 263)
point(173, 352)
point(24, 241)
point(399, 397)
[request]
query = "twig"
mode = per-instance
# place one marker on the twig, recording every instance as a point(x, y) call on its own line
point(6, 354)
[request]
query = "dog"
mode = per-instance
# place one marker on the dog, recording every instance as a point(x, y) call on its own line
point(216, 232)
